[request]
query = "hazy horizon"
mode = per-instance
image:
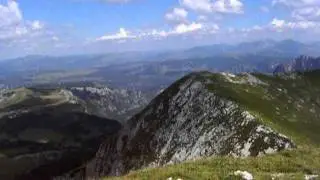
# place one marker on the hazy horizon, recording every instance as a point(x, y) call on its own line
point(151, 51)
point(101, 26)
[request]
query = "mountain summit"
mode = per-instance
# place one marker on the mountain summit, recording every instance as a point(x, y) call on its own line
point(200, 115)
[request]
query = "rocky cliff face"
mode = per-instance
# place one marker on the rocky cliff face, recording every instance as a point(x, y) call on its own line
point(300, 64)
point(119, 104)
point(185, 122)
point(98, 100)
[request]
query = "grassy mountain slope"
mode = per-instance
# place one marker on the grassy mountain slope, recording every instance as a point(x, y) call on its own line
point(290, 104)
point(46, 132)
point(28, 99)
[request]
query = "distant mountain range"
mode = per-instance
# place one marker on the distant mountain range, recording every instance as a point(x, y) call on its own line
point(152, 70)
point(264, 48)
point(286, 48)
point(300, 64)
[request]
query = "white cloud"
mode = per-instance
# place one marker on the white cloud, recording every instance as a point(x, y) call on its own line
point(180, 29)
point(122, 34)
point(156, 33)
point(17, 32)
point(302, 9)
point(209, 28)
point(10, 14)
point(22, 36)
point(198, 5)
point(177, 15)
point(210, 6)
point(55, 38)
point(302, 25)
point(202, 18)
point(185, 28)
point(12, 24)
point(307, 13)
point(36, 25)
point(278, 23)
point(281, 25)
point(277, 29)
point(297, 3)
point(21, 31)
point(255, 28)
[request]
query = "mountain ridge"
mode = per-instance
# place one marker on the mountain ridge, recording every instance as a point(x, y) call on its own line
point(300, 64)
point(189, 109)
point(46, 132)
point(204, 114)
point(289, 104)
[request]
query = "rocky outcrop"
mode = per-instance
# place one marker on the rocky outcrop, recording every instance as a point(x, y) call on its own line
point(98, 100)
point(185, 122)
point(119, 104)
point(300, 64)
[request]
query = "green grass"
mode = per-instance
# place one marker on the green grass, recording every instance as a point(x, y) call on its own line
point(282, 109)
point(286, 110)
point(18, 95)
point(23, 98)
point(293, 164)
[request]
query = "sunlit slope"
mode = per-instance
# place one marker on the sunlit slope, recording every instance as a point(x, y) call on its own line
point(291, 165)
point(28, 98)
point(290, 104)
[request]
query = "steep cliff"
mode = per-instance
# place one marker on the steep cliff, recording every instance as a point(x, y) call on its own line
point(189, 120)
point(118, 104)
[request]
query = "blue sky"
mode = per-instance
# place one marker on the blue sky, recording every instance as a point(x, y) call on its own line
point(59, 27)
